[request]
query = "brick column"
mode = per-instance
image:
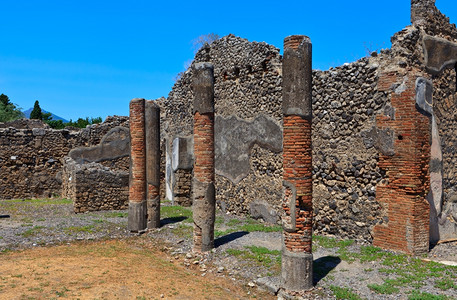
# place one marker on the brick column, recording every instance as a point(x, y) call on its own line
point(204, 203)
point(137, 186)
point(407, 184)
point(152, 126)
point(297, 259)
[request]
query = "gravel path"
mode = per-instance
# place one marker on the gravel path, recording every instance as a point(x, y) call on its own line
point(47, 222)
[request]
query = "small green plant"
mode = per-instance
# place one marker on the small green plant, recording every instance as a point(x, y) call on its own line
point(182, 230)
point(233, 222)
point(62, 292)
point(259, 227)
point(32, 231)
point(371, 253)
point(417, 295)
point(235, 252)
point(176, 212)
point(384, 288)
point(344, 293)
point(445, 284)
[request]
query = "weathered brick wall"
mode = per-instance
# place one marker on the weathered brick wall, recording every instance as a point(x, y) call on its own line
point(403, 193)
point(32, 158)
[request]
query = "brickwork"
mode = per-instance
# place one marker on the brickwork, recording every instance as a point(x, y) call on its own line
point(404, 190)
point(137, 188)
point(204, 204)
point(137, 184)
point(297, 171)
point(297, 165)
point(204, 147)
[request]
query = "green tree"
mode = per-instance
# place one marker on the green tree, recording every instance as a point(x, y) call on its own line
point(4, 99)
point(56, 124)
point(8, 111)
point(82, 123)
point(36, 112)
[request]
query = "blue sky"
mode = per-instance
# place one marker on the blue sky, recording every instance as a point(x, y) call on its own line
point(90, 58)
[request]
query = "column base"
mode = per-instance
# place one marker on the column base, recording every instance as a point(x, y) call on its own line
point(296, 271)
point(153, 213)
point(137, 220)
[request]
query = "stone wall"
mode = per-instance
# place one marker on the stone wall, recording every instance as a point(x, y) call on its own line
point(349, 141)
point(32, 158)
point(97, 177)
point(247, 123)
point(248, 133)
point(94, 187)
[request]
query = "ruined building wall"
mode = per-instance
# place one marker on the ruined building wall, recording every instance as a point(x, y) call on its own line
point(31, 159)
point(249, 135)
point(345, 151)
point(365, 123)
point(247, 121)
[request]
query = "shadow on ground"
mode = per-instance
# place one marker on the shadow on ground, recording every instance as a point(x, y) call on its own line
point(228, 238)
point(324, 265)
point(171, 220)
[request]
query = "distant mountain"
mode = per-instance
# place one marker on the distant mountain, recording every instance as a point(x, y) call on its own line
point(53, 116)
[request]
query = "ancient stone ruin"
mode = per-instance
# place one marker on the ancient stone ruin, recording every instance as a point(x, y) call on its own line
point(382, 136)
point(366, 150)
point(34, 163)
point(144, 194)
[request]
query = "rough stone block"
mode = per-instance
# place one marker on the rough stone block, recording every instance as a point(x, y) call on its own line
point(297, 271)
point(182, 152)
point(262, 209)
point(137, 220)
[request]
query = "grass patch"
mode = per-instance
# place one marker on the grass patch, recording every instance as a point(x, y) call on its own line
point(184, 231)
point(445, 284)
point(176, 212)
point(384, 288)
point(371, 253)
point(259, 227)
point(260, 255)
point(417, 295)
point(235, 252)
point(250, 225)
point(328, 242)
point(344, 293)
point(233, 222)
point(32, 231)
point(41, 202)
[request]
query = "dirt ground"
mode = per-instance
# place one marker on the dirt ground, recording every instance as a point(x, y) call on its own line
point(132, 268)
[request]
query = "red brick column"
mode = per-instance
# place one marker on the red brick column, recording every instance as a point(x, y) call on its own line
point(403, 194)
point(137, 187)
point(297, 219)
point(204, 203)
point(152, 142)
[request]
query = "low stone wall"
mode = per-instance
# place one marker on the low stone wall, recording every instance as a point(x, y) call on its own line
point(32, 158)
point(94, 187)
point(87, 179)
